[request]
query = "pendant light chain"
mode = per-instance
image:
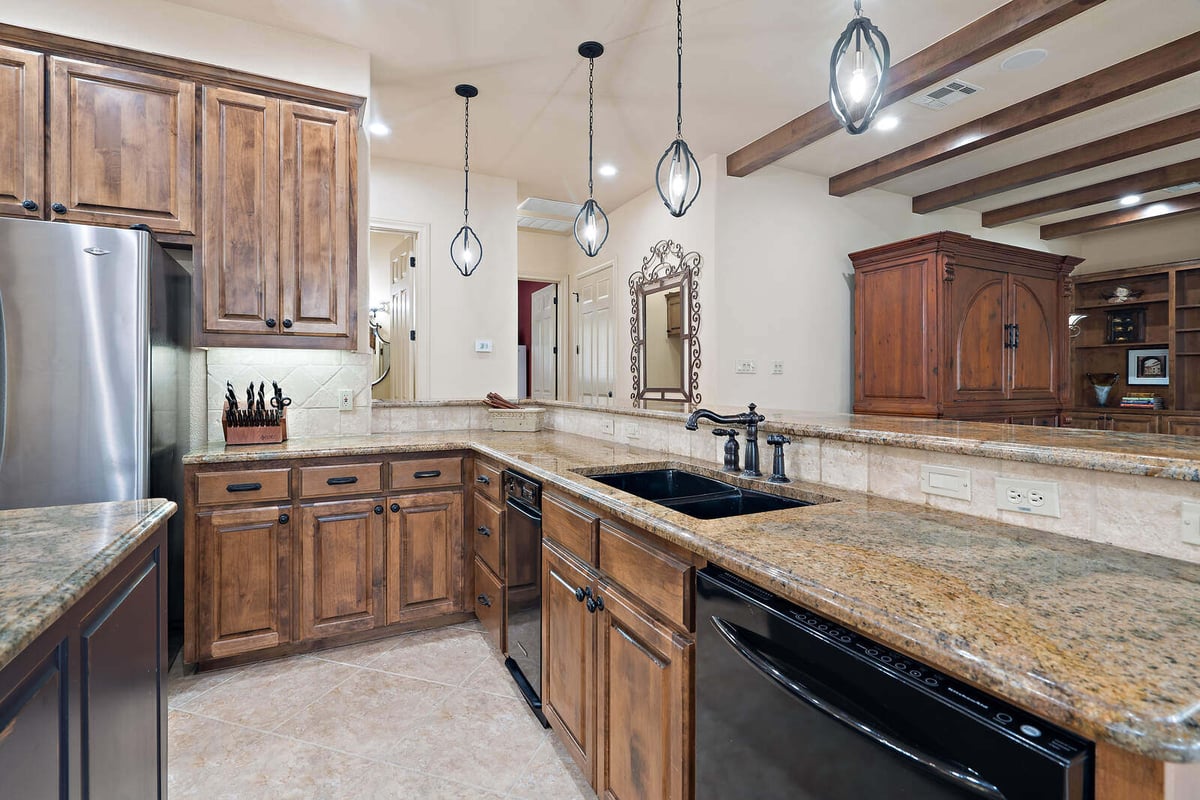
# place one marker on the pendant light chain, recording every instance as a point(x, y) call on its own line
point(678, 69)
point(591, 223)
point(466, 158)
point(591, 109)
point(466, 251)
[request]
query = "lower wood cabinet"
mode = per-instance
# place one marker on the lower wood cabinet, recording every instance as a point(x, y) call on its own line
point(425, 556)
point(489, 605)
point(568, 654)
point(1181, 426)
point(33, 728)
point(341, 567)
point(1104, 421)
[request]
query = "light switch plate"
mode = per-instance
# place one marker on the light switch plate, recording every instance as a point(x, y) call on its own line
point(946, 481)
point(1191, 523)
point(1028, 497)
point(483, 345)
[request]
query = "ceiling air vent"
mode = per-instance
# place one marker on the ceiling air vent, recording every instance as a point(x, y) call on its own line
point(543, 224)
point(946, 95)
point(1184, 187)
point(552, 216)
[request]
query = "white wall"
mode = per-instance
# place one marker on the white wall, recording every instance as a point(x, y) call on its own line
point(168, 29)
point(460, 310)
point(1160, 242)
point(544, 255)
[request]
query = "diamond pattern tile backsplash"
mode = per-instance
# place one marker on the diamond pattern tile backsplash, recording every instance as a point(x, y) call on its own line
point(312, 378)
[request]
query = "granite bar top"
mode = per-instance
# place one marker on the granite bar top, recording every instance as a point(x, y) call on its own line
point(50, 557)
point(1099, 639)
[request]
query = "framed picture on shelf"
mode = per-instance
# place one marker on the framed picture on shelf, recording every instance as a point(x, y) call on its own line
point(1148, 366)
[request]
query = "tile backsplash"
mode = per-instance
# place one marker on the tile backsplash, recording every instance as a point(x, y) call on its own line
point(312, 378)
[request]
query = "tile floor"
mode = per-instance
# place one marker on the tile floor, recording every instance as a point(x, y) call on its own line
point(432, 715)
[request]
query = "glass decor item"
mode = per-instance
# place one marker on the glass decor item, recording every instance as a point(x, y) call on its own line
point(591, 223)
point(1073, 324)
point(857, 80)
point(1102, 384)
point(678, 173)
point(466, 251)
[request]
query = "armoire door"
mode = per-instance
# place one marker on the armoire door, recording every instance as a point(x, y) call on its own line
point(1035, 358)
point(977, 354)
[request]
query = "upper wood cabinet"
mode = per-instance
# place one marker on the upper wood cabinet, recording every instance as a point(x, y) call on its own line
point(122, 146)
point(948, 325)
point(22, 159)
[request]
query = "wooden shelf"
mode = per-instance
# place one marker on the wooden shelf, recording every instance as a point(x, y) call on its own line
point(1187, 330)
point(1141, 301)
point(1188, 354)
point(1185, 306)
point(1121, 344)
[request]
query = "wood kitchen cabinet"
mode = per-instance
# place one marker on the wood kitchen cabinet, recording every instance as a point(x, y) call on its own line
point(22, 159)
point(122, 146)
point(1104, 421)
point(947, 325)
point(425, 555)
point(341, 568)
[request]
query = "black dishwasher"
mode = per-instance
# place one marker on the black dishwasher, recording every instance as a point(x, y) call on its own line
point(791, 705)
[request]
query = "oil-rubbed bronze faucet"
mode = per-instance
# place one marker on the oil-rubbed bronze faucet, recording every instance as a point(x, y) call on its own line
point(749, 419)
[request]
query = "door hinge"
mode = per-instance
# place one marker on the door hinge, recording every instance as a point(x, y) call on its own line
point(412, 262)
point(555, 300)
point(576, 349)
point(412, 336)
point(556, 350)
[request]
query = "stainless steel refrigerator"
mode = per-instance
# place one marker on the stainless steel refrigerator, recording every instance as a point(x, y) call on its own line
point(95, 341)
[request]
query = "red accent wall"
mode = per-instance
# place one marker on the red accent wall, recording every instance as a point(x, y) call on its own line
point(525, 290)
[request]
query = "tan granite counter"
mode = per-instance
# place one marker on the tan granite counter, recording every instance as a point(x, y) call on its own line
point(50, 557)
point(1103, 640)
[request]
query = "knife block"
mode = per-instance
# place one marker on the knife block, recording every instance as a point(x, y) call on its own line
point(254, 434)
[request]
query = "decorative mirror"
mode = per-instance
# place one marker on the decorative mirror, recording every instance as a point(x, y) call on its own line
point(665, 327)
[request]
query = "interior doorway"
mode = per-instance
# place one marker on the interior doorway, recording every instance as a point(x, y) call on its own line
point(395, 302)
point(594, 337)
point(537, 339)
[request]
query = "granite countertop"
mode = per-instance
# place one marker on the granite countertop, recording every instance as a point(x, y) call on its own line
point(50, 557)
point(1102, 640)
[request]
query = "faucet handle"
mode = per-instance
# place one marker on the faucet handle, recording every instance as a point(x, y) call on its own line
point(778, 439)
point(730, 432)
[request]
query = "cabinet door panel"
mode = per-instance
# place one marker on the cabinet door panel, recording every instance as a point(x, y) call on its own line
point(977, 335)
point(240, 267)
point(1182, 426)
point(1035, 362)
point(1086, 420)
point(33, 731)
point(568, 656)
point(424, 556)
point(21, 132)
point(644, 707)
point(314, 227)
point(1133, 423)
point(244, 557)
point(122, 146)
point(896, 359)
point(341, 568)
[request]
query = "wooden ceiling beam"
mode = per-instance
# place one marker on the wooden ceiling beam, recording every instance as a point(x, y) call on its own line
point(1105, 192)
point(993, 33)
point(1187, 204)
point(1158, 66)
point(1146, 139)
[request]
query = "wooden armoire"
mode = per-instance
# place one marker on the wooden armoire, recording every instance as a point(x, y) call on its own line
point(946, 325)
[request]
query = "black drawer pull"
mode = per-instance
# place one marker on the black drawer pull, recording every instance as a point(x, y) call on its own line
point(484, 479)
point(243, 487)
point(483, 600)
point(342, 481)
point(484, 530)
point(428, 473)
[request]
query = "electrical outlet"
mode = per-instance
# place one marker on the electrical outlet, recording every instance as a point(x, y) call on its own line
point(1190, 522)
point(483, 345)
point(776, 367)
point(631, 430)
point(745, 366)
point(1027, 497)
point(346, 400)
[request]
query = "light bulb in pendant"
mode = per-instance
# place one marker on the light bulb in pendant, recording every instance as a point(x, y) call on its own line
point(589, 227)
point(467, 255)
point(858, 86)
point(677, 182)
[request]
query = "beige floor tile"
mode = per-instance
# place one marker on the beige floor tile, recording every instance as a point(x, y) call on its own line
point(182, 688)
point(360, 655)
point(388, 782)
point(444, 655)
point(470, 625)
point(552, 775)
point(477, 738)
point(367, 713)
point(492, 676)
point(263, 695)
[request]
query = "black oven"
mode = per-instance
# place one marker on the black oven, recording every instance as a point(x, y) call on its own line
point(792, 705)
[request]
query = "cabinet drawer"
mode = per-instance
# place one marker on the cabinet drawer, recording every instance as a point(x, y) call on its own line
point(489, 604)
point(426, 473)
point(340, 479)
point(569, 526)
point(656, 578)
point(488, 532)
point(487, 480)
point(242, 486)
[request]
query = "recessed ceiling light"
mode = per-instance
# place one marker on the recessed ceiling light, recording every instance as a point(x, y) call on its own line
point(1023, 60)
point(1156, 209)
point(378, 129)
point(1130, 200)
point(607, 170)
point(887, 123)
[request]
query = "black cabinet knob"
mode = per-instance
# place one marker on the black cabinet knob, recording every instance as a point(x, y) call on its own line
point(378, 509)
point(58, 208)
point(395, 507)
point(595, 604)
point(283, 519)
point(483, 600)
point(287, 323)
point(29, 205)
point(271, 323)
point(484, 530)
point(581, 593)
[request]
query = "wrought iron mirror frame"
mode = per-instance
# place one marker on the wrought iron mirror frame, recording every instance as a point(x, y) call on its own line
point(666, 267)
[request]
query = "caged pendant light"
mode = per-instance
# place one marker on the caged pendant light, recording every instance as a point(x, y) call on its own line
point(591, 223)
point(857, 81)
point(678, 173)
point(466, 251)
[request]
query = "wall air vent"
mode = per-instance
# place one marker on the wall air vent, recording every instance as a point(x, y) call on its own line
point(946, 95)
point(1184, 187)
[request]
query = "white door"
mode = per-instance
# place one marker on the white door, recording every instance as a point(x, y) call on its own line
point(544, 340)
point(594, 338)
point(404, 322)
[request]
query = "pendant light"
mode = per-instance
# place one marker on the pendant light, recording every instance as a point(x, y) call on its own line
point(466, 251)
point(591, 223)
point(857, 82)
point(678, 173)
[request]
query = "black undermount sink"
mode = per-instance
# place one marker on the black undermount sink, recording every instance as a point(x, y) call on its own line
point(696, 495)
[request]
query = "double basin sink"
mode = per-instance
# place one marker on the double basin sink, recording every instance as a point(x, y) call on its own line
point(696, 495)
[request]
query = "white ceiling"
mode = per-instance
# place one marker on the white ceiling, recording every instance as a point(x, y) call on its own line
point(749, 66)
